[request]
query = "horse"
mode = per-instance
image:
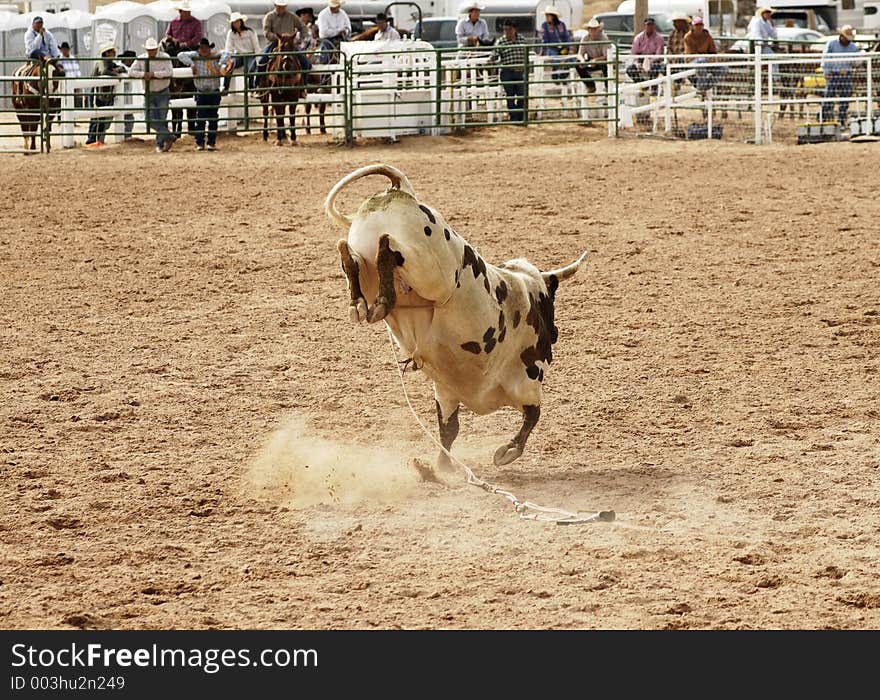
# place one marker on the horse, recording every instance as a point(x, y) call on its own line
point(318, 81)
point(180, 88)
point(281, 85)
point(30, 101)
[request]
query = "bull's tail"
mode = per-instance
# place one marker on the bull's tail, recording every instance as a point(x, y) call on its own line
point(399, 181)
point(564, 272)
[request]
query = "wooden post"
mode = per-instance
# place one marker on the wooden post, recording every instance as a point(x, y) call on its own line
point(640, 14)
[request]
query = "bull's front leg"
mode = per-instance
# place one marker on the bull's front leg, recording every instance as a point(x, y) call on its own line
point(357, 308)
point(447, 421)
point(386, 261)
point(513, 449)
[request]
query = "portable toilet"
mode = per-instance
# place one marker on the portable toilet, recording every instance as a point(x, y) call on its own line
point(127, 24)
point(164, 11)
point(9, 57)
point(215, 20)
point(56, 24)
point(14, 35)
point(79, 25)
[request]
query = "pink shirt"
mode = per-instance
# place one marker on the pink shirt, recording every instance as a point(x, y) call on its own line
point(644, 45)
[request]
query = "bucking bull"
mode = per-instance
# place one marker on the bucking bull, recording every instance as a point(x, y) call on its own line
point(482, 333)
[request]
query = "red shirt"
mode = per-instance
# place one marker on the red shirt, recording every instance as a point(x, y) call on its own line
point(187, 32)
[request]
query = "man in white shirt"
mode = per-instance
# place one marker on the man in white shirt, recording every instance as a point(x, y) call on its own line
point(384, 31)
point(334, 26)
point(472, 30)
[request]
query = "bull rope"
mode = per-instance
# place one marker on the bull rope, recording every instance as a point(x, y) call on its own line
point(527, 510)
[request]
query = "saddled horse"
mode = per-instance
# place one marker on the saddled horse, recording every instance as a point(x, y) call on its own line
point(32, 97)
point(320, 81)
point(281, 86)
point(180, 88)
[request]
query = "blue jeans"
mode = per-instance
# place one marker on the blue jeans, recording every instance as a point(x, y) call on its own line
point(837, 85)
point(514, 88)
point(97, 129)
point(207, 110)
point(157, 115)
point(707, 76)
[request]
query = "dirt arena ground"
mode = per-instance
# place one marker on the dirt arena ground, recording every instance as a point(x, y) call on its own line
point(194, 436)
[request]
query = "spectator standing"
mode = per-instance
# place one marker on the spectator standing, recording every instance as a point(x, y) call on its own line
point(71, 70)
point(208, 68)
point(838, 74)
point(241, 43)
point(155, 69)
point(104, 96)
point(472, 30)
point(646, 54)
point(510, 54)
point(184, 29)
point(39, 42)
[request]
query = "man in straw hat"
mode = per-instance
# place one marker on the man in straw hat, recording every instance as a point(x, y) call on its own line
point(334, 26)
point(593, 55)
point(104, 96)
point(154, 67)
point(838, 73)
point(184, 30)
point(279, 23)
point(208, 69)
point(681, 24)
point(472, 30)
point(762, 29)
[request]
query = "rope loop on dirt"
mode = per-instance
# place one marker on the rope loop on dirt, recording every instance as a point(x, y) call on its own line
point(527, 510)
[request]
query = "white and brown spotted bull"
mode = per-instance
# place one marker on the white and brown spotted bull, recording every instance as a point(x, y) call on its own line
point(482, 333)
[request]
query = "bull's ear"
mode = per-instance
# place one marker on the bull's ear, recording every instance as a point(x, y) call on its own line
point(552, 285)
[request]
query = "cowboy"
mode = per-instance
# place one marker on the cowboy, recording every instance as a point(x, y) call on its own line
point(649, 45)
point(838, 74)
point(384, 30)
point(185, 29)
point(334, 26)
point(593, 55)
point(472, 30)
point(698, 41)
point(104, 96)
point(510, 53)
point(675, 41)
point(155, 69)
point(39, 42)
point(761, 28)
point(208, 68)
point(279, 24)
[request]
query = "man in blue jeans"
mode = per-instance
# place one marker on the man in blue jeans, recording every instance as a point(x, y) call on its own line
point(155, 69)
point(510, 53)
point(208, 68)
point(838, 74)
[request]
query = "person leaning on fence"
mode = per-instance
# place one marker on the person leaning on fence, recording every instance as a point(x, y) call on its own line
point(592, 55)
point(838, 74)
point(39, 42)
point(185, 30)
point(334, 26)
point(241, 43)
point(510, 55)
point(279, 23)
point(700, 42)
point(648, 45)
point(681, 24)
point(155, 69)
point(104, 96)
point(472, 30)
point(126, 58)
point(762, 30)
point(208, 68)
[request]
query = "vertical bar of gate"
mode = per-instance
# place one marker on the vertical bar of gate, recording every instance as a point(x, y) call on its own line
point(758, 64)
point(44, 105)
point(612, 71)
point(870, 109)
point(347, 71)
point(438, 92)
point(667, 108)
point(527, 72)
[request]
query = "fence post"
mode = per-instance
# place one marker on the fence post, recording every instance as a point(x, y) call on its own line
point(45, 106)
point(613, 73)
point(870, 110)
point(348, 72)
point(667, 111)
point(527, 72)
point(438, 92)
point(67, 116)
point(758, 111)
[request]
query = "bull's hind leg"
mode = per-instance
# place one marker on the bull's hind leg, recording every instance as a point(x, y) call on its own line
point(513, 449)
point(447, 421)
point(386, 261)
point(351, 263)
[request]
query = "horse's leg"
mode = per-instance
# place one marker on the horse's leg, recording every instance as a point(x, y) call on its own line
point(266, 121)
point(308, 117)
point(279, 119)
point(322, 107)
point(292, 109)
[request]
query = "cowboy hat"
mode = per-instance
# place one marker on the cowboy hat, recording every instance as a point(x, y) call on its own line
point(466, 7)
point(593, 24)
point(235, 16)
point(151, 44)
point(680, 16)
point(847, 31)
point(104, 48)
point(335, 3)
point(761, 10)
point(184, 6)
point(552, 10)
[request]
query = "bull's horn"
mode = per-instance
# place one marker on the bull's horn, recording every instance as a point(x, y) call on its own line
point(399, 181)
point(564, 272)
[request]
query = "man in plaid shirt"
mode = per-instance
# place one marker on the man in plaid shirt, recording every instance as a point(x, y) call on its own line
point(510, 54)
point(675, 40)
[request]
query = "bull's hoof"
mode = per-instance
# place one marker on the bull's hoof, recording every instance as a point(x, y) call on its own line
point(357, 313)
point(378, 311)
point(507, 454)
point(444, 464)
